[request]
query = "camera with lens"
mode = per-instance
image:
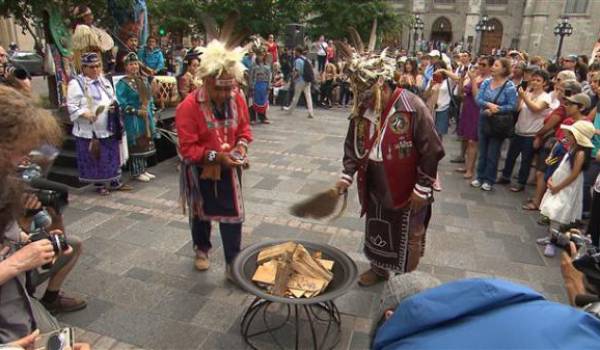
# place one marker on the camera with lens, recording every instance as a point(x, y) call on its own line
point(59, 242)
point(49, 193)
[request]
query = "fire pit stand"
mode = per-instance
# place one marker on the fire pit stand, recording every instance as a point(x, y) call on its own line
point(315, 321)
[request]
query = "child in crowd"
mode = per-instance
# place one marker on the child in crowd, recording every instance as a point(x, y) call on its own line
point(563, 201)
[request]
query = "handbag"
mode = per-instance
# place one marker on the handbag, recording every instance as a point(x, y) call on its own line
point(500, 125)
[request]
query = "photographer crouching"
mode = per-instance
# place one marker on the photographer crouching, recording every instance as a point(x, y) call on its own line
point(32, 248)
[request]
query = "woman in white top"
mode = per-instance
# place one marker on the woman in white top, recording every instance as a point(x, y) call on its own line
point(96, 127)
point(438, 98)
point(534, 106)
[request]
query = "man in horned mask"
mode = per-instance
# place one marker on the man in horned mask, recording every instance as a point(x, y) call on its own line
point(393, 149)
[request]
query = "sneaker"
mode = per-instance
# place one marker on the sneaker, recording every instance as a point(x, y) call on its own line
point(201, 262)
point(142, 178)
point(63, 304)
point(543, 241)
point(287, 109)
point(476, 183)
point(550, 250)
point(151, 176)
point(486, 187)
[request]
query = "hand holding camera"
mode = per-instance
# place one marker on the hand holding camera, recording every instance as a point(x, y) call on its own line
point(32, 256)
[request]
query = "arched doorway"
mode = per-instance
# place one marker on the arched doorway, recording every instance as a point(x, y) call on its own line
point(441, 30)
point(492, 40)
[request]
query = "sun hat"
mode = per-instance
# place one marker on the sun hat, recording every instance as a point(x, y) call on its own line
point(583, 131)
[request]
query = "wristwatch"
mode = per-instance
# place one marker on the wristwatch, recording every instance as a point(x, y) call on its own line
point(211, 156)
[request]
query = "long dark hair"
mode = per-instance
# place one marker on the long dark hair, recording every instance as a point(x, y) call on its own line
point(587, 153)
point(186, 63)
point(414, 65)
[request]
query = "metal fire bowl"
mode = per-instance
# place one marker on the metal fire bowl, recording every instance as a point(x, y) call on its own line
point(344, 271)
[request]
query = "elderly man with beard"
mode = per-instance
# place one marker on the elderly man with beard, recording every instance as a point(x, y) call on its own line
point(394, 149)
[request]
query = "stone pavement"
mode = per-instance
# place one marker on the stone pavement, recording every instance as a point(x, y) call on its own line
point(137, 267)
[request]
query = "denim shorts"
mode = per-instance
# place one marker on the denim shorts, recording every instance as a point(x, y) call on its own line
point(441, 121)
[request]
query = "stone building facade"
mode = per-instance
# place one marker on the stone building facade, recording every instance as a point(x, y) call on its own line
point(524, 24)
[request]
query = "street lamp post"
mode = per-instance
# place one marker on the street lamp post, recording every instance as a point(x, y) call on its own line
point(563, 28)
point(484, 25)
point(417, 26)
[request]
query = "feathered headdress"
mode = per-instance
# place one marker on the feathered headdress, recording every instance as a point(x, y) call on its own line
point(218, 59)
point(223, 53)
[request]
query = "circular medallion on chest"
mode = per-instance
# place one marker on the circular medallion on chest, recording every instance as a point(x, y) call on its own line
point(399, 123)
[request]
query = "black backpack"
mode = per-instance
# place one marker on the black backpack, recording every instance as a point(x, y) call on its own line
point(308, 74)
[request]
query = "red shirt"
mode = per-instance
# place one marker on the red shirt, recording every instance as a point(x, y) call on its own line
point(562, 113)
point(272, 49)
point(198, 130)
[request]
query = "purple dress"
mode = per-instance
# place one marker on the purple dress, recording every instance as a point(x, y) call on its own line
point(469, 116)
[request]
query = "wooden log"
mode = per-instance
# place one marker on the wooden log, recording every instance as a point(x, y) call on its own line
point(266, 273)
point(275, 252)
point(304, 264)
point(284, 271)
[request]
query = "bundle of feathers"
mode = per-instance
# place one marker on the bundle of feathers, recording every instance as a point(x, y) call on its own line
point(86, 37)
point(217, 59)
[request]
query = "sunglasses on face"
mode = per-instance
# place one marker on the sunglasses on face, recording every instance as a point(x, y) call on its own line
point(94, 66)
point(569, 103)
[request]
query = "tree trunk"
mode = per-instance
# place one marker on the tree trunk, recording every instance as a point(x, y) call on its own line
point(51, 79)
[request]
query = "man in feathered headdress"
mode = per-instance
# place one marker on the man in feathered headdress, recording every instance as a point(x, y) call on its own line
point(393, 148)
point(214, 133)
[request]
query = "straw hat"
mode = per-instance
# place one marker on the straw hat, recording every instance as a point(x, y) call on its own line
point(583, 131)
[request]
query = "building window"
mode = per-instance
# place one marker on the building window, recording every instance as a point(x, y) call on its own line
point(497, 2)
point(445, 2)
point(576, 6)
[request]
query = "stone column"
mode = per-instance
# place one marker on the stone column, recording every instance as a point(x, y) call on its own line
point(472, 17)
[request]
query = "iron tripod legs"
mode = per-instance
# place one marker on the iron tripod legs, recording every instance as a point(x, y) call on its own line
point(323, 320)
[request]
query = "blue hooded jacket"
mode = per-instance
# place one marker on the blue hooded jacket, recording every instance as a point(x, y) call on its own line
point(153, 59)
point(486, 314)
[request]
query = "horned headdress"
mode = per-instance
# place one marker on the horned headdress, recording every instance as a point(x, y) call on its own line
point(366, 69)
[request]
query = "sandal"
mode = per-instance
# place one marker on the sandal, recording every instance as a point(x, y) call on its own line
point(530, 206)
point(123, 187)
point(103, 191)
point(517, 188)
point(460, 170)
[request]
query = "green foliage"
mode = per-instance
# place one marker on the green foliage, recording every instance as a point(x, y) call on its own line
point(175, 16)
point(334, 17)
point(330, 17)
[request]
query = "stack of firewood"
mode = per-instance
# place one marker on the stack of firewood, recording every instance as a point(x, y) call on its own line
point(288, 269)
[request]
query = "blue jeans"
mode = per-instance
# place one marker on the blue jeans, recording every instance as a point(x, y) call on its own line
point(522, 145)
point(589, 179)
point(489, 154)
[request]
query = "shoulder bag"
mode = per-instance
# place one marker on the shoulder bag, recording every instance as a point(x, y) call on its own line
point(500, 124)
